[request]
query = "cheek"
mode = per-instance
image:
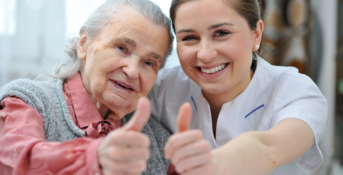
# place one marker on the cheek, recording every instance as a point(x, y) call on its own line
point(185, 54)
point(244, 44)
point(239, 51)
point(147, 81)
point(101, 67)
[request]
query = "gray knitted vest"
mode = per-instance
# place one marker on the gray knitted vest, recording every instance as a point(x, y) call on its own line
point(47, 98)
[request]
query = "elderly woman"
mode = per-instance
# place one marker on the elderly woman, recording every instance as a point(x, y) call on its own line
point(56, 126)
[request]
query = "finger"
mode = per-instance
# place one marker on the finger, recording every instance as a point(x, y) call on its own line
point(183, 139)
point(193, 163)
point(141, 115)
point(127, 154)
point(194, 149)
point(125, 138)
point(116, 167)
point(184, 117)
point(203, 170)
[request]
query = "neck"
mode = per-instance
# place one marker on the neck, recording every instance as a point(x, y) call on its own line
point(104, 111)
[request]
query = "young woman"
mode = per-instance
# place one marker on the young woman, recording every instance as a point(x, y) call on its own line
point(249, 117)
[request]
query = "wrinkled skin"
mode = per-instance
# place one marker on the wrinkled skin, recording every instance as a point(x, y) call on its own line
point(119, 66)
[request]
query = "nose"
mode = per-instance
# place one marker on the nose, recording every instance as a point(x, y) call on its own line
point(206, 53)
point(131, 68)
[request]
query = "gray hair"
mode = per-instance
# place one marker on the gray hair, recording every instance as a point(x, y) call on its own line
point(102, 16)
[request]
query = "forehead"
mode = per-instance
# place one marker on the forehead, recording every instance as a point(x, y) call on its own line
point(128, 23)
point(214, 10)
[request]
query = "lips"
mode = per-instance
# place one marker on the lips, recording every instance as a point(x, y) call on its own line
point(124, 85)
point(213, 69)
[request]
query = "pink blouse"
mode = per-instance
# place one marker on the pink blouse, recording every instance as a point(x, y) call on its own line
point(24, 149)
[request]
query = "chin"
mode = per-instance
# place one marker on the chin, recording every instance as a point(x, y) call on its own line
point(213, 90)
point(115, 101)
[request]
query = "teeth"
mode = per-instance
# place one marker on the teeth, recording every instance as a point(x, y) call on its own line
point(213, 70)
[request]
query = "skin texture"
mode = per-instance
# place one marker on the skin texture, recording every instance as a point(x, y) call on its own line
point(210, 33)
point(126, 150)
point(128, 51)
point(206, 41)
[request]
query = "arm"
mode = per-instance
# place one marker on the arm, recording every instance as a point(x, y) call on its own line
point(261, 152)
point(250, 153)
point(24, 150)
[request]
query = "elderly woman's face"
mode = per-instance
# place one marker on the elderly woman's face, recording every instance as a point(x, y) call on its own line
point(121, 63)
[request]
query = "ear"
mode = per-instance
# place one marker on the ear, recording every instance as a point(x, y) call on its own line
point(81, 46)
point(257, 35)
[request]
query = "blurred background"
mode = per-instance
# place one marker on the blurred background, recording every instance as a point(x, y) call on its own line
point(307, 34)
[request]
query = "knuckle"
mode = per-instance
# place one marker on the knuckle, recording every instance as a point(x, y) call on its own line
point(117, 153)
point(177, 156)
point(198, 134)
point(143, 165)
point(146, 140)
point(172, 140)
point(209, 158)
point(205, 145)
point(182, 165)
point(146, 154)
point(130, 134)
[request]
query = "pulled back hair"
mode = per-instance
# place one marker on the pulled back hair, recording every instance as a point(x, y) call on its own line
point(251, 10)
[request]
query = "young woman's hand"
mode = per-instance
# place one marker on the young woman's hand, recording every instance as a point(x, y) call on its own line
point(188, 150)
point(126, 150)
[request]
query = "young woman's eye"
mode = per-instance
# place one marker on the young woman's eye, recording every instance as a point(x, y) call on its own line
point(189, 38)
point(221, 33)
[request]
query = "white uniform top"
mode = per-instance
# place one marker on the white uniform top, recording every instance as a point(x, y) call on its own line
point(274, 93)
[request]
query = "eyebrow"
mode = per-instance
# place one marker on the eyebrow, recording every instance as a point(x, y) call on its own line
point(134, 44)
point(219, 25)
point(210, 28)
point(126, 40)
point(186, 30)
point(156, 56)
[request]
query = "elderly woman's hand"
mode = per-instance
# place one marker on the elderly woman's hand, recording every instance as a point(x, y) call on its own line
point(126, 150)
point(188, 150)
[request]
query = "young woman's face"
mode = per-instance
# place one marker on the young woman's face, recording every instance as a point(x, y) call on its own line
point(215, 45)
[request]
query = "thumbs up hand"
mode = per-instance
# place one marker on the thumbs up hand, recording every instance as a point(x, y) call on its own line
point(188, 150)
point(126, 150)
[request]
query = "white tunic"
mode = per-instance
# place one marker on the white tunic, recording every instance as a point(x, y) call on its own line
point(274, 93)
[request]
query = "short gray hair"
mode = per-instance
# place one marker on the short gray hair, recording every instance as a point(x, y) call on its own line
point(102, 16)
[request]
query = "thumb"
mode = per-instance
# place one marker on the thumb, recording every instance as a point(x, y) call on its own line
point(184, 117)
point(141, 115)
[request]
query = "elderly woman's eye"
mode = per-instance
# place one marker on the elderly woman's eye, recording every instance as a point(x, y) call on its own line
point(148, 63)
point(121, 48)
point(221, 33)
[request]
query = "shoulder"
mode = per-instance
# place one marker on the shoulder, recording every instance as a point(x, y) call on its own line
point(275, 72)
point(171, 81)
point(282, 77)
point(31, 91)
point(28, 86)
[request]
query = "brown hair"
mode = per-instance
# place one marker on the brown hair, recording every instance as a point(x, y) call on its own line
point(251, 10)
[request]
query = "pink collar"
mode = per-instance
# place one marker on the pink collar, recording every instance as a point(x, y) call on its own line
point(85, 111)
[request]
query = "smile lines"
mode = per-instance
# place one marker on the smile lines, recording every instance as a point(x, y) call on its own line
point(215, 69)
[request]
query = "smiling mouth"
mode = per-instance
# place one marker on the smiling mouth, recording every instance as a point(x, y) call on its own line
point(123, 86)
point(213, 70)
